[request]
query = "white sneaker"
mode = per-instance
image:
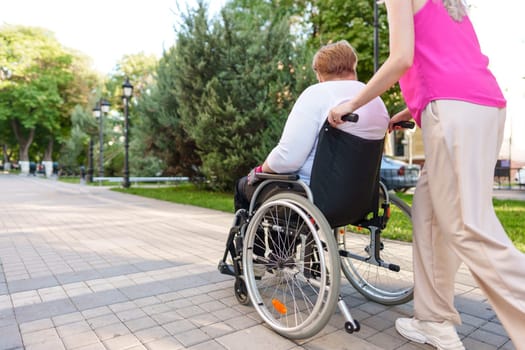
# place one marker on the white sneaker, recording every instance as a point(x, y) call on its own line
point(442, 335)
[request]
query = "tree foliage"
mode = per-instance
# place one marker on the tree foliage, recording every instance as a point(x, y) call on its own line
point(42, 88)
point(213, 106)
point(223, 92)
point(236, 78)
point(160, 142)
point(354, 21)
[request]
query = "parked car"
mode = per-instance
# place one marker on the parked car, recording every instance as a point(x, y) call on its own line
point(398, 175)
point(520, 176)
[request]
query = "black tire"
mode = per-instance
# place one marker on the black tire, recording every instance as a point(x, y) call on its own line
point(240, 292)
point(350, 328)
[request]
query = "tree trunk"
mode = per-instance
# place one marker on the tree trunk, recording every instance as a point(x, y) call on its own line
point(48, 154)
point(6, 155)
point(7, 158)
point(48, 160)
point(23, 142)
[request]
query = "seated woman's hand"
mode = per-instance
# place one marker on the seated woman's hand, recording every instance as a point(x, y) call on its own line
point(252, 175)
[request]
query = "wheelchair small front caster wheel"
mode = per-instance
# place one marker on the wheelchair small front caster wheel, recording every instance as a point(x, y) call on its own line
point(240, 292)
point(349, 327)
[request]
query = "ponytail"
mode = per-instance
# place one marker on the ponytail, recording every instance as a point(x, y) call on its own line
point(456, 9)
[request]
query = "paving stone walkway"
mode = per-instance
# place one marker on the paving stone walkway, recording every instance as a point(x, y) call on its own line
point(83, 267)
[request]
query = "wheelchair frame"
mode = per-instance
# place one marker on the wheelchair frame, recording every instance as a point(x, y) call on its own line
point(287, 259)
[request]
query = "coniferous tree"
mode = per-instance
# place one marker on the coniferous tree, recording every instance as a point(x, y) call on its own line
point(159, 137)
point(236, 81)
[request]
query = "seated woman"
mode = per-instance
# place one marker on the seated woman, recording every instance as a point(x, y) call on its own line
point(335, 68)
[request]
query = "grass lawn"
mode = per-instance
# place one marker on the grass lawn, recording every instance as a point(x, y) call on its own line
point(185, 194)
point(512, 216)
point(69, 179)
point(511, 213)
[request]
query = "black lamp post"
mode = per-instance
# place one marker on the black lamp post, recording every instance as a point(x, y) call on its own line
point(127, 92)
point(90, 160)
point(5, 74)
point(376, 37)
point(98, 112)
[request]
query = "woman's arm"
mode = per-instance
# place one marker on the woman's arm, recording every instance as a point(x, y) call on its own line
point(299, 134)
point(401, 34)
point(266, 168)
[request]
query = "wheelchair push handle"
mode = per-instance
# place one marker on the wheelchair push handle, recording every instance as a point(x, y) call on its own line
point(352, 117)
point(405, 124)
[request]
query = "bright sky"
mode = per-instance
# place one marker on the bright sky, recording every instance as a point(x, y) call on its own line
point(500, 29)
point(106, 30)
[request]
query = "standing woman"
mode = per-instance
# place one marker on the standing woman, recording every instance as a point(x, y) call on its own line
point(451, 94)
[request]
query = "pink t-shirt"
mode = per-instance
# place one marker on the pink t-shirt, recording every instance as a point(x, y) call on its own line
point(448, 63)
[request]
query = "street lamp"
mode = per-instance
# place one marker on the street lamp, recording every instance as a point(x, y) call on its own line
point(376, 37)
point(98, 112)
point(127, 90)
point(90, 161)
point(5, 74)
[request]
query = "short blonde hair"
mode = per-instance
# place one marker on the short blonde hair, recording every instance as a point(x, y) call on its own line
point(335, 59)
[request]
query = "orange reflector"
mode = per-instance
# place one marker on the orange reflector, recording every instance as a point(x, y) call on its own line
point(279, 306)
point(341, 231)
point(388, 213)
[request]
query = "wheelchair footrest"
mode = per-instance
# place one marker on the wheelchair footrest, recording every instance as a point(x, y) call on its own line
point(226, 269)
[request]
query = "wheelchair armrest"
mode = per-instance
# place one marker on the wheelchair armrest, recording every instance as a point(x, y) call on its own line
point(282, 177)
point(293, 184)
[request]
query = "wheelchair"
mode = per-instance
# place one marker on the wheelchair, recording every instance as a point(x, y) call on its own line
point(287, 250)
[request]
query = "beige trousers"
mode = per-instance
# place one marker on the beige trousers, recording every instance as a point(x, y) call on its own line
point(454, 219)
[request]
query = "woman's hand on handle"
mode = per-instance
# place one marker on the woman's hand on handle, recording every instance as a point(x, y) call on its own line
point(336, 113)
point(404, 115)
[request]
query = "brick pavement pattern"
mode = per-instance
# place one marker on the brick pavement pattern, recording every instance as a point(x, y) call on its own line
point(86, 268)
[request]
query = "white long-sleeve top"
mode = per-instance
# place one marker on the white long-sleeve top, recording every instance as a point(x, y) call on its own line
point(295, 151)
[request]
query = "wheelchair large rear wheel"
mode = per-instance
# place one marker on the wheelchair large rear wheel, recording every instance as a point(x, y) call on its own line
point(393, 282)
point(291, 266)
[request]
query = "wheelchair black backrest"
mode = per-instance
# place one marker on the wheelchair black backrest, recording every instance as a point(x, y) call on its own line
point(345, 176)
